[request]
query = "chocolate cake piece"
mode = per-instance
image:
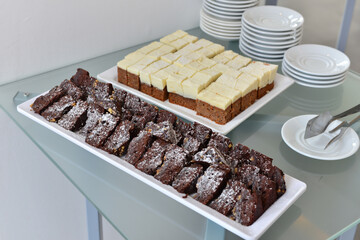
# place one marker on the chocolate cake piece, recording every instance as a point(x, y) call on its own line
point(102, 130)
point(58, 109)
point(185, 181)
point(210, 185)
point(153, 158)
point(249, 208)
point(125, 114)
point(46, 100)
point(275, 174)
point(258, 159)
point(101, 90)
point(83, 80)
point(148, 111)
point(118, 142)
point(139, 121)
point(228, 197)
point(94, 113)
point(163, 130)
point(208, 156)
point(138, 147)
point(174, 160)
point(191, 144)
point(202, 133)
point(164, 115)
point(76, 117)
point(71, 89)
point(111, 105)
point(184, 128)
point(221, 143)
point(239, 156)
point(120, 95)
point(266, 188)
point(133, 103)
point(247, 174)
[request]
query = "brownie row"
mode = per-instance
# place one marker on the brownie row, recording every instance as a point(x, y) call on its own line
point(238, 182)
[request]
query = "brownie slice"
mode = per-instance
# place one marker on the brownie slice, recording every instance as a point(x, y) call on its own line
point(275, 174)
point(208, 156)
point(249, 208)
point(174, 160)
point(163, 130)
point(184, 128)
point(133, 103)
point(148, 111)
point(185, 181)
point(125, 114)
point(58, 109)
point(46, 100)
point(258, 159)
point(71, 89)
point(266, 188)
point(153, 158)
point(221, 143)
point(210, 185)
point(137, 147)
point(191, 144)
point(76, 117)
point(101, 90)
point(83, 80)
point(139, 121)
point(111, 105)
point(202, 133)
point(228, 197)
point(94, 113)
point(118, 142)
point(119, 95)
point(247, 174)
point(102, 130)
point(239, 156)
point(164, 115)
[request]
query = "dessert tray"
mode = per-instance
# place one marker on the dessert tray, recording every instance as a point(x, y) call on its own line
point(281, 83)
point(295, 188)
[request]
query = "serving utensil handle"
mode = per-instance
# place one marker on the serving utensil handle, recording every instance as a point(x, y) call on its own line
point(348, 112)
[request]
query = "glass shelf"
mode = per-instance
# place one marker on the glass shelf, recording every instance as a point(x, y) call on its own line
point(329, 205)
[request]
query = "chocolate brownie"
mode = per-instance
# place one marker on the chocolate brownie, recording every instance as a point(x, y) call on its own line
point(239, 156)
point(71, 89)
point(210, 185)
point(202, 133)
point(258, 159)
point(185, 181)
point(101, 90)
point(221, 143)
point(125, 114)
point(148, 111)
point(119, 95)
point(161, 95)
point(247, 174)
point(174, 160)
point(122, 76)
point(58, 109)
point(164, 115)
point(249, 208)
point(118, 141)
point(163, 130)
point(133, 80)
point(182, 101)
point(215, 114)
point(46, 100)
point(83, 80)
point(275, 174)
point(132, 103)
point(145, 88)
point(153, 158)
point(208, 156)
point(183, 129)
point(191, 144)
point(138, 147)
point(76, 117)
point(102, 130)
point(111, 105)
point(228, 197)
point(266, 188)
point(139, 121)
point(94, 113)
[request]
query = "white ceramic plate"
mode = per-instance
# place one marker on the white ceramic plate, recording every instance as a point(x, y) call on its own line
point(311, 80)
point(281, 83)
point(294, 187)
point(312, 85)
point(220, 30)
point(272, 33)
point(221, 16)
point(263, 59)
point(220, 24)
point(273, 18)
point(229, 8)
point(269, 37)
point(293, 132)
point(224, 13)
point(248, 45)
point(227, 3)
point(264, 55)
point(271, 42)
point(326, 78)
point(271, 46)
point(218, 35)
point(317, 60)
point(230, 23)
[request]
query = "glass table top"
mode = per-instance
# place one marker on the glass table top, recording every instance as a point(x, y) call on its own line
point(330, 204)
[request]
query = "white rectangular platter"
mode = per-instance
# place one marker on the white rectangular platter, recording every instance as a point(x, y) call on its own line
point(281, 83)
point(295, 188)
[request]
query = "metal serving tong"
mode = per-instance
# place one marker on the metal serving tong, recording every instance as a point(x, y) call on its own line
point(343, 126)
point(318, 125)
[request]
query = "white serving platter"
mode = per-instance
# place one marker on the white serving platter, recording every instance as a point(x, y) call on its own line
point(295, 188)
point(280, 84)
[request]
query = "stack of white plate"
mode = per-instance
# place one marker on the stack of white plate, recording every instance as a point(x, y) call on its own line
point(222, 18)
point(316, 65)
point(268, 31)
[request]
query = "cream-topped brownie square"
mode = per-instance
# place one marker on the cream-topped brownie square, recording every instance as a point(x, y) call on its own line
point(220, 67)
point(163, 50)
point(196, 65)
point(203, 42)
point(168, 38)
point(138, 66)
point(224, 91)
point(206, 52)
point(214, 99)
point(134, 56)
point(229, 54)
point(261, 75)
point(178, 43)
point(190, 38)
point(180, 33)
point(248, 85)
point(170, 57)
point(207, 62)
point(271, 68)
point(150, 47)
point(221, 59)
point(239, 62)
point(145, 74)
point(173, 83)
point(183, 60)
point(189, 49)
point(227, 80)
point(233, 73)
point(217, 48)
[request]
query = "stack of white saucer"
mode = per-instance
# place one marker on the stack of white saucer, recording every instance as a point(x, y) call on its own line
point(268, 31)
point(222, 18)
point(316, 66)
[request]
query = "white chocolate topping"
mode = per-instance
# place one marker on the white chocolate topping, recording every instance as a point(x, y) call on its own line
point(178, 43)
point(214, 99)
point(150, 47)
point(220, 67)
point(203, 42)
point(180, 33)
point(143, 63)
point(224, 91)
point(190, 38)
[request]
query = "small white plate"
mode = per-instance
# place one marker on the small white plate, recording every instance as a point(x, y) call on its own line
point(272, 42)
point(273, 18)
point(263, 59)
point(229, 8)
point(262, 36)
point(221, 16)
point(271, 46)
point(248, 45)
point(227, 3)
point(281, 83)
point(218, 35)
point(312, 85)
point(272, 33)
point(225, 13)
point(260, 54)
point(326, 78)
point(293, 132)
point(220, 29)
point(317, 60)
point(220, 24)
point(230, 23)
